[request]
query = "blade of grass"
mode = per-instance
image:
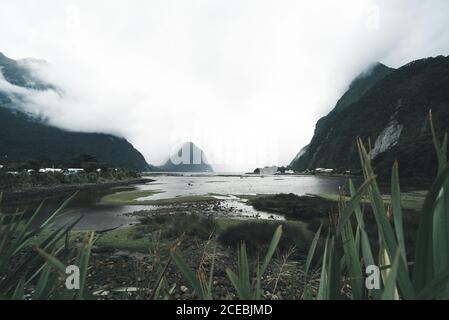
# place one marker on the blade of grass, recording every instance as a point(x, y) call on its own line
point(353, 263)
point(85, 252)
point(389, 292)
point(354, 202)
point(243, 295)
point(272, 248)
point(323, 291)
point(384, 226)
point(423, 270)
point(397, 211)
point(312, 249)
point(188, 273)
point(364, 239)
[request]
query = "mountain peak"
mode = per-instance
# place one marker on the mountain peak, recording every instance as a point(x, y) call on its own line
point(373, 69)
point(372, 74)
point(188, 157)
point(4, 59)
point(379, 64)
point(369, 77)
point(188, 143)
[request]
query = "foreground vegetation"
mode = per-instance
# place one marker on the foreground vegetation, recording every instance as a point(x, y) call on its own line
point(21, 269)
point(114, 272)
point(347, 253)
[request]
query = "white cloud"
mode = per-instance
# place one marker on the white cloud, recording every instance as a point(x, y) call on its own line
point(245, 80)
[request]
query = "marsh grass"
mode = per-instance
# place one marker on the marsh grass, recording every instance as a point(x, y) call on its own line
point(139, 197)
point(128, 197)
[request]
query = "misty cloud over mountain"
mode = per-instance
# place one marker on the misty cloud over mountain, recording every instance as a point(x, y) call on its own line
point(245, 80)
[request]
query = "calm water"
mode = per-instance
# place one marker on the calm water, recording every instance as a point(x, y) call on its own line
point(190, 185)
point(98, 216)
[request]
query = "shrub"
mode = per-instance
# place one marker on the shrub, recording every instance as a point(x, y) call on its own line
point(257, 236)
point(294, 207)
point(173, 226)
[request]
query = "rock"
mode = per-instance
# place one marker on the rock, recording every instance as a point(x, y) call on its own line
point(184, 289)
point(121, 254)
point(99, 249)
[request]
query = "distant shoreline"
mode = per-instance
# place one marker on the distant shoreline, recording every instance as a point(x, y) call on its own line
point(55, 191)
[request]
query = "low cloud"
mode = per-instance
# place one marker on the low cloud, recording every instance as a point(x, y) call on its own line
point(245, 80)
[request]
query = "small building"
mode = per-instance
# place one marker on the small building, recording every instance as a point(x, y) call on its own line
point(75, 170)
point(50, 170)
point(324, 170)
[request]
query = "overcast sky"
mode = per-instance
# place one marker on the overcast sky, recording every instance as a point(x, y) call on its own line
point(244, 79)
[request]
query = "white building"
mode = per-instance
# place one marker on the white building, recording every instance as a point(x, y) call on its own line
point(50, 170)
point(74, 170)
point(324, 170)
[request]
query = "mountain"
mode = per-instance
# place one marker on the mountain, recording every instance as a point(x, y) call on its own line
point(187, 158)
point(24, 138)
point(19, 73)
point(314, 153)
point(27, 137)
point(390, 108)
